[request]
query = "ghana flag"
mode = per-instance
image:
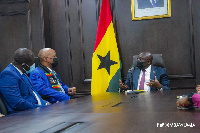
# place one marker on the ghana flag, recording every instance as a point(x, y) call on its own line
point(106, 64)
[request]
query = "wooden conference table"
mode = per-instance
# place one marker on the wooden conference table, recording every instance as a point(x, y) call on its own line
point(153, 112)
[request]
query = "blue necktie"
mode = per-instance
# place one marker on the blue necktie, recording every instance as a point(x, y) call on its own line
point(26, 78)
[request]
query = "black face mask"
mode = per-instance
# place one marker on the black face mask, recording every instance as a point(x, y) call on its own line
point(140, 65)
point(55, 62)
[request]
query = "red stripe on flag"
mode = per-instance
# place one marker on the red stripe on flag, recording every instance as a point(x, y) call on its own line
point(105, 19)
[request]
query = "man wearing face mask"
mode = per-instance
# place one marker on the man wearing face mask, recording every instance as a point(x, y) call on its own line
point(146, 76)
point(15, 87)
point(46, 80)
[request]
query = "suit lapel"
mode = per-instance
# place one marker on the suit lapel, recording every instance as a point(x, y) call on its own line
point(153, 74)
point(17, 73)
point(136, 74)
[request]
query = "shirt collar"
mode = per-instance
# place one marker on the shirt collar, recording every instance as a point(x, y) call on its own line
point(50, 69)
point(18, 69)
point(148, 69)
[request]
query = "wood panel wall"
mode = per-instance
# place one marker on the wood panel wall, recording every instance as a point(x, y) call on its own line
point(69, 27)
point(21, 26)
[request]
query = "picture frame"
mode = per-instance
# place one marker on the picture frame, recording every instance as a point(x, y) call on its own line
point(150, 9)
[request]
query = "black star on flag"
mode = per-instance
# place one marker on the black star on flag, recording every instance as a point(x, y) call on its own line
point(106, 62)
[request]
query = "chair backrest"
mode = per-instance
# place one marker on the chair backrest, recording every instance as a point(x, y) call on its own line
point(36, 61)
point(157, 60)
point(3, 107)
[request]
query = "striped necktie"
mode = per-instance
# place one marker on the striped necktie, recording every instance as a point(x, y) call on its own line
point(63, 91)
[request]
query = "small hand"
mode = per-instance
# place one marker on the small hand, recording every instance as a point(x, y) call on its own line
point(72, 91)
point(48, 103)
point(122, 86)
point(154, 83)
point(1, 115)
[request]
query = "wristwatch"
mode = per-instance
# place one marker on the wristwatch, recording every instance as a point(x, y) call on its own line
point(190, 97)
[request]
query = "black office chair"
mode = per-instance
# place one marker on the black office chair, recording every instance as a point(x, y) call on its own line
point(36, 61)
point(3, 107)
point(157, 60)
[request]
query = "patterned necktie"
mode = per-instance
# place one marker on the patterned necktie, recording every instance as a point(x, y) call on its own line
point(63, 91)
point(141, 87)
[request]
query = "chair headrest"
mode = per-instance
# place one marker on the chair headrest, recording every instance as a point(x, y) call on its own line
point(157, 60)
point(36, 61)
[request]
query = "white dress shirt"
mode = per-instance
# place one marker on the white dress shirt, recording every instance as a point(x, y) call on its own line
point(147, 77)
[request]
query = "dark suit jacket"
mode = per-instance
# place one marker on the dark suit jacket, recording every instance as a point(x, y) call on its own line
point(159, 72)
point(17, 93)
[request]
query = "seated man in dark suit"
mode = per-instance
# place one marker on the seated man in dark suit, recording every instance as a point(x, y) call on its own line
point(15, 86)
point(146, 76)
point(46, 81)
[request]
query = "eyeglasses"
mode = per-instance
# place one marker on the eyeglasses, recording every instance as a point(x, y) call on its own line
point(51, 57)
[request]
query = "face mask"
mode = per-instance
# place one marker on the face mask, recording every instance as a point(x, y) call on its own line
point(32, 68)
point(140, 64)
point(55, 62)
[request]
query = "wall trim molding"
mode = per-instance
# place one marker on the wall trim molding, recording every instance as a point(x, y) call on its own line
point(14, 1)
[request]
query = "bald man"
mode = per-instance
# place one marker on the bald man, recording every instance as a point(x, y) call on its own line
point(46, 80)
point(15, 86)
point(145, 76)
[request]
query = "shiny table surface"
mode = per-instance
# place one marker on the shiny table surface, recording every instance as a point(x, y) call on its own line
point(153, 112)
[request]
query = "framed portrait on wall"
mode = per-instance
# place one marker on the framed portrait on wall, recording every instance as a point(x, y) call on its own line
point(150, 9)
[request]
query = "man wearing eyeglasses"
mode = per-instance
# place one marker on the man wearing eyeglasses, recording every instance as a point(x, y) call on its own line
point(46, 81)
point(145, 76)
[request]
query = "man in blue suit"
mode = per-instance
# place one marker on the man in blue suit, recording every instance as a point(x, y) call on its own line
point(15, 86)
point(146, 76)
point(46, 81)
